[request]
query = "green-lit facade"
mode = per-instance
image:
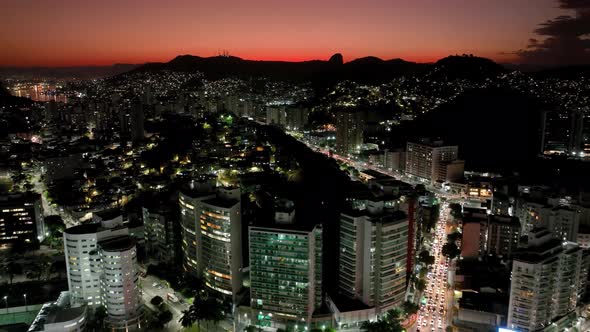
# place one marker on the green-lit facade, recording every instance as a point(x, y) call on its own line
point(285, 274)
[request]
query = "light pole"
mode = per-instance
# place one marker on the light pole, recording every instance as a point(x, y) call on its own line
point(6, 301)
point(25, 295)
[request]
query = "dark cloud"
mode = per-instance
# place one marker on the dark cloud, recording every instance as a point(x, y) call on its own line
point(565, 39)
point(574, 4)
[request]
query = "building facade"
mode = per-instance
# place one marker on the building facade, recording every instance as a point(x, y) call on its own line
point(21, 218)
point(285, 274)
point(433, 161)
point(119, 280)
point(546, 282)
point(212, 236)
point(159, 234)
point(349, 131)
point(101, 264)
point(373, 256)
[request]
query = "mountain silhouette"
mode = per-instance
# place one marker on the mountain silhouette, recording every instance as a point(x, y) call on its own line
point(6, 99)
point(333, 70)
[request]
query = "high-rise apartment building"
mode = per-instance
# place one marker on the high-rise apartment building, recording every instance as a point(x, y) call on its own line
point(212, 237)
point(119, 280)
point(433, 161)
point(190, 199)
point(221, 246)
point(297, 117)
point(159, 233)
point(349, 131)
point(502, 235)
point(101, 264)
point(546, 282)
point(373, 255)
point(137, 118)
point(276, 115)
point(285, 274)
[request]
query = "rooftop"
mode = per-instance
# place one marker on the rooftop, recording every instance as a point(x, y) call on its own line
point(88, 228)
point(221, 202)
point(109, 214)
point(119, 243)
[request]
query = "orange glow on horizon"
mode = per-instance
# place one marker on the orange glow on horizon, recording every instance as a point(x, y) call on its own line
point(80, 33)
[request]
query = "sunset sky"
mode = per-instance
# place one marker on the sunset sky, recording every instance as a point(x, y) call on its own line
point(71, 32)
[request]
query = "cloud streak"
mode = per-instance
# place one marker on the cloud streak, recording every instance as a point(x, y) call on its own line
point(563, 40)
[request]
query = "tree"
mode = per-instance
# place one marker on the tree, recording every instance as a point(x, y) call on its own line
point(35, 271)
point(426, 258)
point(456, 210)
point(165, 317)
point(421, 285)
point(99, 315)
point(13, 269)
point(453, 237)
point(204, 308)
point(390, 322)
point(19, 247)
point(410, 308)
point(58, 267)
point(45, 264)
point(450, 250)
point(54, 225)
point(157, 300)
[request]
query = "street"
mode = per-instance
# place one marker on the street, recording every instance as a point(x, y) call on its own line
point(434, 315)
point(152, 286)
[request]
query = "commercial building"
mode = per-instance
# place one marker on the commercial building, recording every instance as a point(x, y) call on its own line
point(349, 131)
point(373, 255)
point(557, 132)
point(21, 218)
point(433, 161)
point(285, 274)
point(546, 283)
point(60, 316)
point(159, 233)
point(101, 263)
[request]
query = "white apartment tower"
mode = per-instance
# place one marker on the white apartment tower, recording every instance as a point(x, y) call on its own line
point(546, 282)
point(101, 268)
point(373, 255)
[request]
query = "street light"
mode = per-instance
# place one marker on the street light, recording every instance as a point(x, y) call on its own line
point(6, 301)
point(25, 295)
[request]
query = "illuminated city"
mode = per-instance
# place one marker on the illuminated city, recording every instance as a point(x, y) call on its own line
point(374, 166)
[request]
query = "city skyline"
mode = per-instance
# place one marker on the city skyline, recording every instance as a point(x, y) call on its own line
point(69, 33)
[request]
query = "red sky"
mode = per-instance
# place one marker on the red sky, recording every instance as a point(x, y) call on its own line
point(85, 32)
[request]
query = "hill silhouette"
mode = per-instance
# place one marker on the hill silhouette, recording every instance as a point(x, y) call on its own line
point(465, 67)
point(324, 72)
point(496, 129)
point(6, 99)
